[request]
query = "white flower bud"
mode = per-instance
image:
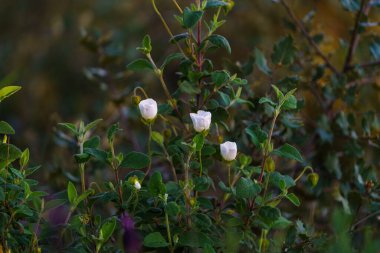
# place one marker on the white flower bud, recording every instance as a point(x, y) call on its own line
point(228, 150)
point(148, 108)
point(201, 120)
point(137, 185)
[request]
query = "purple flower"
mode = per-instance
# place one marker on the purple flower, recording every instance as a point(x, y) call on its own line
point(131, 238)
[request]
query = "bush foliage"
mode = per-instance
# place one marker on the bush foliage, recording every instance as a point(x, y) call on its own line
point(276, 153)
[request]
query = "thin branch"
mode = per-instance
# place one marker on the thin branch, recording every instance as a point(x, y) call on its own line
point(303, 30)
point(355, 34)
point(363, 81)
point(364, 65)
point(364, 219)
point(166, 26)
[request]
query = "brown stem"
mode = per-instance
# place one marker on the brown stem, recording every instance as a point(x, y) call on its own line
point(364, 8)
point(364, 65)
point(303, 30)
point(266, 153)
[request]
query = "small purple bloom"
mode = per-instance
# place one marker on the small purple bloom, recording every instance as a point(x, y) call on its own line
point(131, 238)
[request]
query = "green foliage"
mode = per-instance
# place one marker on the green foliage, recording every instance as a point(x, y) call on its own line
point(164, 194)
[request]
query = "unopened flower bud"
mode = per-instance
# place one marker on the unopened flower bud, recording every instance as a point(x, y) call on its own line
point(137, 185)
point(148, 109)
point(269, 165)
point(228, 150)
point(313, 179)
point(136, 100)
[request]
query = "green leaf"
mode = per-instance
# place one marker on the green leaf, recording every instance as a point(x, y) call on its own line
point(107, 229)
point(155, 240)
point(169, 59)
point(82, 158)
point(5, 128)
point(93, 142)
point(146, 45)
point(258, 136)
point(246, 188)
point(139, 64)
point(220, 41)
point(225, 99)
point(189, 88)
point(98, 154)
point(290, 103)
point(156, 185)
point(135, 160)
point(69, 126)
point(194, 239)
point(179, 37)
point(191, 18)
point(83, 196)
point(172, 209)
point(265, 100)
point(8, 153)
point(294, 199)
point(220, 77)
point(158, 138)
point(281, 223)
point(288, 151)
point(269, 214)
point(24, 159)
point(8, 91)
point(279, 94)
point(199, 141)
point(201, 220)
point(284, 51)
point(71, 193)
point(215, 4)
point(261, 62)
point(278, 180)
point(111, 132)
point(92, 124)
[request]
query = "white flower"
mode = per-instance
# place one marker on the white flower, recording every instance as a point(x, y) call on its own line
point(137, 185)
point(148, 108)
point(201, 120)
point(228, 150)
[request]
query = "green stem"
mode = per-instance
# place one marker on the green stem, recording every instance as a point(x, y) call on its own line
point(140, 89)
point(303, 172)
point(171, 163)
point(166, 25)
point(200, 163)
point(177, 6)
point(82, 177)
point(187, 188)
point(149, 150)
point(266, 185)
point(229, 174)
point(168, 232)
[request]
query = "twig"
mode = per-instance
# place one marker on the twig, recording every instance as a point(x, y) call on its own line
point(303, 30)
point(364, 219)
point(363, 81)
point(166, 26)
point(364, 65)
point(355, 34)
